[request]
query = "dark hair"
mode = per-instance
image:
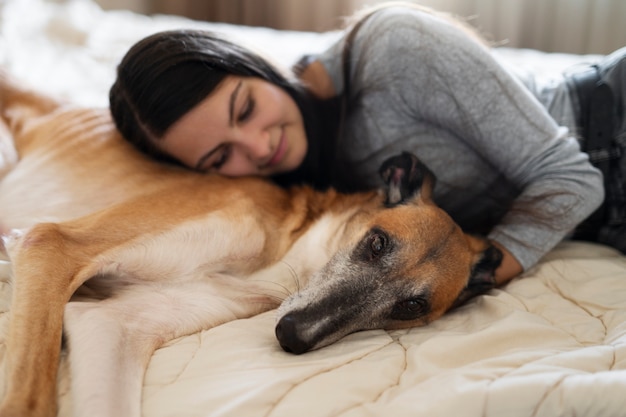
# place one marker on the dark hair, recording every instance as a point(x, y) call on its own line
point(166, 74)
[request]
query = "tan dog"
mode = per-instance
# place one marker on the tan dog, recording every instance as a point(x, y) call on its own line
point(127, 253)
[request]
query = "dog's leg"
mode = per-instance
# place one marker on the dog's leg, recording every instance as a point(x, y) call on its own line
point(111, 341)
point(43, 283)
point(49, 263)
point(52, 260)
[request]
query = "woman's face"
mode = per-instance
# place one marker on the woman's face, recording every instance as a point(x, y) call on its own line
point(247, 126)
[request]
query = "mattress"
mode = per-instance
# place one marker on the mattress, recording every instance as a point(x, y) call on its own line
point(550, 343)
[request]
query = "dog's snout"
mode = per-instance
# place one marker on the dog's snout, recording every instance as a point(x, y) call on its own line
point(289, 337)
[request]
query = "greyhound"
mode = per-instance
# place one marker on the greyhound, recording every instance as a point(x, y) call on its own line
point(115, 254)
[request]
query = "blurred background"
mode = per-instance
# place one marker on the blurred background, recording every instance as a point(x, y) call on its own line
point(574, 26)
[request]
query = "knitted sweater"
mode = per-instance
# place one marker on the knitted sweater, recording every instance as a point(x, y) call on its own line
point(499, 158)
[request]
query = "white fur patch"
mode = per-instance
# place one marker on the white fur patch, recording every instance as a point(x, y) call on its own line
point(214, 244)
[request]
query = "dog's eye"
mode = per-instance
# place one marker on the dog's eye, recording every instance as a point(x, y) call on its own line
point(377, 244)
point(409, 309)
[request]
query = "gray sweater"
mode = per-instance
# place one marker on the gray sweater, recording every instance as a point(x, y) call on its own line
point(498, 155)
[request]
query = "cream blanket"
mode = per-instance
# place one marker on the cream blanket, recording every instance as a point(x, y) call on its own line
point(552, 343)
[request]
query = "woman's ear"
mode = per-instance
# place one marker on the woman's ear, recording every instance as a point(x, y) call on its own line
point(406, 177)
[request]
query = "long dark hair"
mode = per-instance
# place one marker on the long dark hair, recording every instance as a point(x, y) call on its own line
point(165, 75)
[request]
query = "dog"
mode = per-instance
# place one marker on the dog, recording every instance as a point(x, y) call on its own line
point(114, 254)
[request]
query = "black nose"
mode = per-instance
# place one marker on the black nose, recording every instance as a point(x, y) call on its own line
point(288, 337)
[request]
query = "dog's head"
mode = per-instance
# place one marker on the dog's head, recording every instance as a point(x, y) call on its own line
point(411, 264)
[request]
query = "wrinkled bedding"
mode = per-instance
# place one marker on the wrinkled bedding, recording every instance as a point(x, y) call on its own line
point(551, 343)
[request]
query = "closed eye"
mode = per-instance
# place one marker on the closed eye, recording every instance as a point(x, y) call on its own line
point(220, 157)
point(247, 110)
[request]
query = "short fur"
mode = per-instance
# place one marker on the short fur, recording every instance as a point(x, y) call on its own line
point(126, 253)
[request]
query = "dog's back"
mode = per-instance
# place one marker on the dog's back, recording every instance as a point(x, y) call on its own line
point(91, 165)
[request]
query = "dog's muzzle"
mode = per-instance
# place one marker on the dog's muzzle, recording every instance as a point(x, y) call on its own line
point(289, 337)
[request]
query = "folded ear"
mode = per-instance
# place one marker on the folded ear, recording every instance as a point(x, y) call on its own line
point(482, 278)
point(406, 177)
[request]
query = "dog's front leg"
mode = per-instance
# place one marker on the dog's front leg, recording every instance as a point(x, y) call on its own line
point(31, 384)
point(106, 365)
point(111, 341)
point(43, 281)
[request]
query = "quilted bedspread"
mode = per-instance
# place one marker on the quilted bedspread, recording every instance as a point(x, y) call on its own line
point(550, 343)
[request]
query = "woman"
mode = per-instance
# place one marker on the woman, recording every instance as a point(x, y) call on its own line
point(402, 78)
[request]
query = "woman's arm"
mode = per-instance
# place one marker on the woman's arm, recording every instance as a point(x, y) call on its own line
point(452, 87)
point(509, 267)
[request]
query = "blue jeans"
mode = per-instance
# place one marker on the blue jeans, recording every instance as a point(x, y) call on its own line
point(598, 96)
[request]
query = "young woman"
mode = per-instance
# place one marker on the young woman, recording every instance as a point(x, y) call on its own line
point(402, 78)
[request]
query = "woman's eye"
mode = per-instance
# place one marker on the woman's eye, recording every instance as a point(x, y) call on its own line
point(221, 158)
point(246, 111)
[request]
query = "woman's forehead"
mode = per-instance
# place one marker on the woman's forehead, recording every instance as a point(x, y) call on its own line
point(208, 113)
point(201, 128)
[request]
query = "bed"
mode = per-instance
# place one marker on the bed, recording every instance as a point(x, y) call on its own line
point(551, 343)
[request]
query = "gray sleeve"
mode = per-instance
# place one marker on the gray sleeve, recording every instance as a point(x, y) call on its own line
point(448, 81)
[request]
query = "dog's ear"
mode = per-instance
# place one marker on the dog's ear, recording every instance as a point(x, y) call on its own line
point(405, 176)
point(482, 277)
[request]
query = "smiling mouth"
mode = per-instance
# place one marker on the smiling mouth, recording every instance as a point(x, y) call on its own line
point(280, 151)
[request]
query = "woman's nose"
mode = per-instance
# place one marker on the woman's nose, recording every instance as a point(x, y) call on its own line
point(259, 146)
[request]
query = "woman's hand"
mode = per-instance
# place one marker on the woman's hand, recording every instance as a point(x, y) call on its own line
point(509, 267)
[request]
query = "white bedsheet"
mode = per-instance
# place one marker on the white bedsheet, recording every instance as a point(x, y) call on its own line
point(552, 343)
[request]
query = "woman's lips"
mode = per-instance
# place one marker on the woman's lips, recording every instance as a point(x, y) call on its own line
point(280, 151)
